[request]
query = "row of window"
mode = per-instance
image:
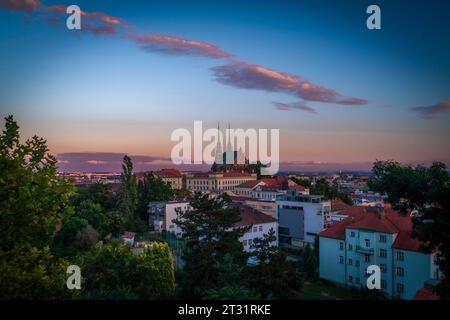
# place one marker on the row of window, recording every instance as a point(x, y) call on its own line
point(382, 252)
point(400, 287)
point(255, 229)
point(382, 238)
point(399, 271)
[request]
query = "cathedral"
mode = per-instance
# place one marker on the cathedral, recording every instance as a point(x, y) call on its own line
point(229, 160)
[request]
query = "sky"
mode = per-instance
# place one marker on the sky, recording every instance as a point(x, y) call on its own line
point(340, 94)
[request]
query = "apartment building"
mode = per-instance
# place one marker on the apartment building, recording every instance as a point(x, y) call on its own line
point(301, 217)
point(375, 236)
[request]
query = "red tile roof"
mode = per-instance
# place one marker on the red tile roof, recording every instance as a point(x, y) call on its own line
point(236, 174)
point(168, 173)
point(426, 294)
point(390, 221)
point(250, 216)
point(249, 184)
point(338, 205)
point(374, 222)
point(337, 231)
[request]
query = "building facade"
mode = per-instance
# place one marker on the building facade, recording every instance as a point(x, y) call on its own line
point(162, 214)
point(301, 217)
point(172, 177)
point(376, 238)
point(217, 182)
point(265, 206)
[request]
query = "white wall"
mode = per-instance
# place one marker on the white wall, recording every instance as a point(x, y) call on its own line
point(261, 229)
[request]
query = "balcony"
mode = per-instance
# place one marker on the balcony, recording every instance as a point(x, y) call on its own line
point(365, 250)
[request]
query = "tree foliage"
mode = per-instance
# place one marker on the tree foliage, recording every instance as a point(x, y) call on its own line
point(32, 202)
point(427, 190)
point(112, 271)
point(273, 277)
point(152, 188)
point(211, 235)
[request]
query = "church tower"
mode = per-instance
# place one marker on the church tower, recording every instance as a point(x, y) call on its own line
point(219, 152)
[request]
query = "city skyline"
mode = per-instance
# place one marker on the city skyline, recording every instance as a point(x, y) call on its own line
point(339, 93)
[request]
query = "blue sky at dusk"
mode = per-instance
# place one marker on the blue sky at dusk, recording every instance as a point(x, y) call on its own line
point(337, 91)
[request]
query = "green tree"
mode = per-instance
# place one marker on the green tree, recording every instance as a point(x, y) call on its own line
point(329, 192)
point(308, 262)
point(100, 193)
point(93, 213)
point(112, 271)
point(273, 276)
point(302, 182)
point(65, 241)
point(210, 233)
point(32, 201)
point(152, 188)
point(128, 193)
point(427, 190)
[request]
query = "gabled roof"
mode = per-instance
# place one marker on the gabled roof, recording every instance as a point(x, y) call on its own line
point(389, 221)
point(250, 216)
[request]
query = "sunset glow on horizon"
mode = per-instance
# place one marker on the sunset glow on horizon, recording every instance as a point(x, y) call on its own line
point(341, 95)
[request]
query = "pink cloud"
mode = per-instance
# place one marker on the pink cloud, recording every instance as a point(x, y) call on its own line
point(178, 46)
point(433, 111)
point(27, 6)
point(251, 76)
point(97, 23)
point(290, 106)
point(96, 162)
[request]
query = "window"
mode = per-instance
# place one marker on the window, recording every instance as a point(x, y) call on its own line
point(350, 261)
point(352, 234)
point(350, 279)
point(357, 263)
point(260, 228)
point(400, 272)
point(350, 247)
point(383, 267)
point(400, 256)
point(383, 253)
point(367, 242)
point(400, 288)
point(341, 259)
point(367, 258)
point(255, 229)
point(249, 242)
point(244, 242)
point(382, 238)
point(341, 246)
point(383, 284)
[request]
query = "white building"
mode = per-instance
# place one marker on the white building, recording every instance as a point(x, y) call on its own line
point(301, 217)
point(217, 181)
point(162, 214)
point(260, 224)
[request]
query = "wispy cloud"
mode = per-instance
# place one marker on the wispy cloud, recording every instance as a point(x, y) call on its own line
point(26, 6)
point(178, 46)
point(251, 76)
point(105, 161)
point(97, 23)
point(433, 111)
point(293, 106)
point(234, 73)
